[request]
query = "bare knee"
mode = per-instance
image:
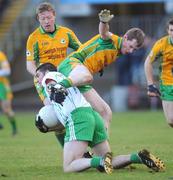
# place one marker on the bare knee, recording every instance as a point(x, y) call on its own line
point(170, 121)
point(66, 169)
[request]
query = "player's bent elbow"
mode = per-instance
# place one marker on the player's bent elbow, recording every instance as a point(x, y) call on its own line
point(88, 79)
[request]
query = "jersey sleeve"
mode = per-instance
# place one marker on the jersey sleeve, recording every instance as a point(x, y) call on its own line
point(4, 61)
point(30, 49)
point(74, 42)
point(156, 51)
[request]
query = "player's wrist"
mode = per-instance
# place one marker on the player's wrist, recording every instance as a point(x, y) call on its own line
point(66, 83)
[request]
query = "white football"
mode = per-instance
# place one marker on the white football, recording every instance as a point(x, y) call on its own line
point(49, 118)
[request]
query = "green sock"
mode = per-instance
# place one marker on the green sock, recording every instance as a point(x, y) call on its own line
point(60, 138)
point(134, 158)
point(13, 123)
point(96, 161)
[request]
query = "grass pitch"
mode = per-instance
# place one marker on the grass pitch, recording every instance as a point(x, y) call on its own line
point(32, 155)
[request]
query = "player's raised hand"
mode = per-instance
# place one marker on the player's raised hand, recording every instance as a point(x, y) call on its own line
point(105, 16)
point(153, 91)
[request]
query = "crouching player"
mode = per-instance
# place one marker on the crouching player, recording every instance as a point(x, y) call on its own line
point(84, 127)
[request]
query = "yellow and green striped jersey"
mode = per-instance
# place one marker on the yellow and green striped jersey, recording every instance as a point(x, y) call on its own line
point(97, 53)
point(4, 64)
point(163, 51)
point(45, 47)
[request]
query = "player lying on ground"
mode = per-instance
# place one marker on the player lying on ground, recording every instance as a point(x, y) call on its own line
point(84, 127)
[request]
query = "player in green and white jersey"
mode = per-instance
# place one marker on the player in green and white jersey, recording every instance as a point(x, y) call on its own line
point(85, 127)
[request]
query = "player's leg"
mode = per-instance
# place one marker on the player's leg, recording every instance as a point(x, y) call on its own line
point(6, 98)
point(73, 153)
point(7, 109)
point(100, 145)
point(81, 127)
point(167, 102)
point(167, 108)
point(99, 105)
point(76, 71)
point(121, 161)
point(74, 161)
point(80, 75)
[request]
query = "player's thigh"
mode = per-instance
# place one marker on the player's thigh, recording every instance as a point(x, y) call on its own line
point(7, 107)
point(102, 148)
point(97, 102)
point(74, 150)
point(168, 110)
point(100, 133)
point(80, 125)
point(68, 65)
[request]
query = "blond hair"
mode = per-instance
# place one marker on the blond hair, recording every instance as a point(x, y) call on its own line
point(45, 7)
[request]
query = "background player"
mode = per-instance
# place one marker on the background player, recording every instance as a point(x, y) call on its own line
point(162, 51)
point(5, 92)
point(48, 43)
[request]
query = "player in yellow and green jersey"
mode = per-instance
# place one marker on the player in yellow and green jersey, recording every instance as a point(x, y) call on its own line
point(162, 51)
point(48, 44)
point(5, 92)
point(93, 56)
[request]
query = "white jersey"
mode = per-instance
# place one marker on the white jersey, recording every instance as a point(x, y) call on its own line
point(73, 100)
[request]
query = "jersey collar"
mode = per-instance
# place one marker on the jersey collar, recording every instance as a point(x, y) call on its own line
point(42, 31)
point(170, 40)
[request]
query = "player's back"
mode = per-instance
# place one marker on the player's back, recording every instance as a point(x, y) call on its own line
point(97, 53)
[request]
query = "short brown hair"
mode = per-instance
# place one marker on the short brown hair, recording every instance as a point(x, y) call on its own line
point(170, 22)
point(136, 33)
point(45, 7)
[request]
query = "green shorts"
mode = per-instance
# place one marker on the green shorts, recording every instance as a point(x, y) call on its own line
point(67, 66)
point(166, 92)
point(5, 92)
point(85, 124)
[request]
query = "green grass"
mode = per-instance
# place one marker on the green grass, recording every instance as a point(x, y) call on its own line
point(36, 156)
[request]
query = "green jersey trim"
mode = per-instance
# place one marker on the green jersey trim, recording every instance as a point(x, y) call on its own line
point(42, 31)
point(170, 41)
point(36, 53)
point(96, 46)
point(72, 42)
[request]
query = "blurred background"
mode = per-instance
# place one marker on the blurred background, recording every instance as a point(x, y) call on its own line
point(123, 84)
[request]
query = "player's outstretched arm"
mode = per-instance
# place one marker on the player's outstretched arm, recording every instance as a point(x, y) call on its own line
point(152, 89)
point(105, 17)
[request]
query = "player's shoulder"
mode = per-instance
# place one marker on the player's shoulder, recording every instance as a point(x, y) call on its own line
point(3, 56)
point(114, 36)
point(162, 40)
point(35, 33)
point(65, 29)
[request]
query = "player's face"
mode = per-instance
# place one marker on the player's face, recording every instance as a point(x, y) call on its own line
point(39, 76)
point(47, 20)
point(170, 31)
point(128, 46)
